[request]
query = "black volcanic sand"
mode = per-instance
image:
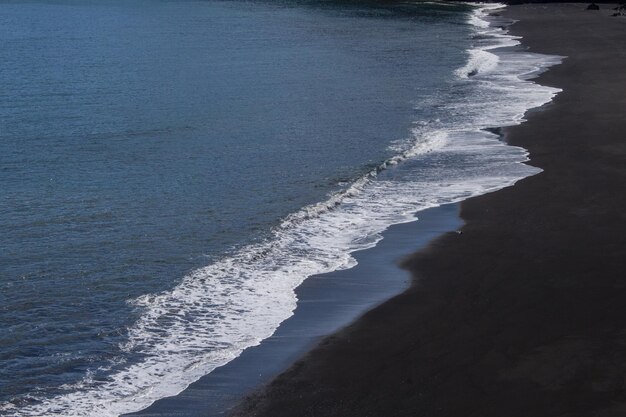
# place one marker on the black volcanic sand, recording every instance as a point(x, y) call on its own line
point(326, 302)
point(524, 314)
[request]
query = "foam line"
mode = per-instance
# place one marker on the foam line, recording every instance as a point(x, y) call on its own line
point(216, 312)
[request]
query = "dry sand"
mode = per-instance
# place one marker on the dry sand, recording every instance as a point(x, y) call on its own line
point(524, 314)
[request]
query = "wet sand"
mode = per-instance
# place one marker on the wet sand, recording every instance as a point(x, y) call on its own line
point(326, 303)
point(524, 313)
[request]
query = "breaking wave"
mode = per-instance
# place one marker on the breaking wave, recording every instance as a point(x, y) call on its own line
point(217, 311)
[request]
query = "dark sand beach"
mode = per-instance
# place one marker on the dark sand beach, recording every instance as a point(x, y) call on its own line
point(524, 313)
point(326, 303)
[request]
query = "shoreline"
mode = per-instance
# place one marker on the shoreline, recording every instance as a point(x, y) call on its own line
point(326, 303)
point(221, 389)
point(521, 314)
point(228, 382)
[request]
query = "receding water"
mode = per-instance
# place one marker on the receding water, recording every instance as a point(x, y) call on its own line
point(171, 170)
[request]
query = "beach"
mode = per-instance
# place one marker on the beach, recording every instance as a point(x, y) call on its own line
point(520, 313)
point(197, 194)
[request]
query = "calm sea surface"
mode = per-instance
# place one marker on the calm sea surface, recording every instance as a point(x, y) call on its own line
point(164, 163)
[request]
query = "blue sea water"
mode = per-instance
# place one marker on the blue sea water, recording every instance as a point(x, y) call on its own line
point(171, 170)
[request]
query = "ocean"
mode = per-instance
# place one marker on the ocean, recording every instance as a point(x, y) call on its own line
point(171, 172)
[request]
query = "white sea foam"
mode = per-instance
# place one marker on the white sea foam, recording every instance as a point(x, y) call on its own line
point(480, 61)
point(218, 311)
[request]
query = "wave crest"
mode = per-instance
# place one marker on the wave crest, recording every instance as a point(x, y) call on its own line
point(480, 61)
point(216, 312)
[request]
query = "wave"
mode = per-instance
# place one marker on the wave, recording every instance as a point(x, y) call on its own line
point(480, 61)
point(217, 311)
